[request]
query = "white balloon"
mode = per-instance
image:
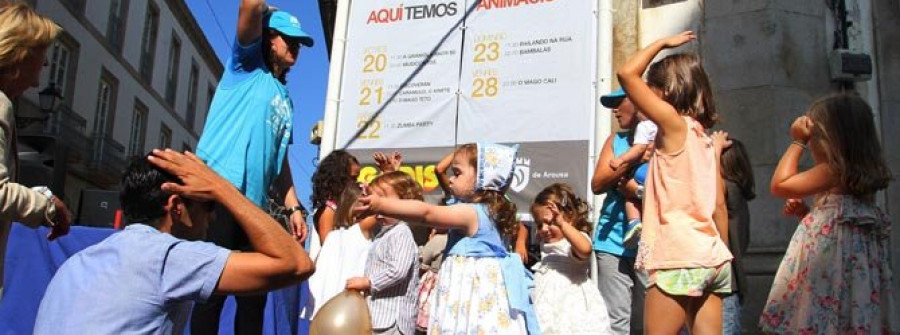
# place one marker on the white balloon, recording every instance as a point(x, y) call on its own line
point(346, 313)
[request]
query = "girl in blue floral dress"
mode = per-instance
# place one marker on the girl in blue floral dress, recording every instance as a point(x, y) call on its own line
point(836, 274)
point(481, 288)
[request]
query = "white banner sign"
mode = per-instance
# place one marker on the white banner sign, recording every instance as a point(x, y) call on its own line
point(512, 71)
point(388, 41)
point(527, 72)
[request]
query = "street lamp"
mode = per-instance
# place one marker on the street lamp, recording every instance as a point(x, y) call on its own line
point(48, 97)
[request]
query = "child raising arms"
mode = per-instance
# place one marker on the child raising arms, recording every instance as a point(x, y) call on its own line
point(836, 273)
point(565, 299)
point(481, 287)
point(681, 249)
point(344, 254)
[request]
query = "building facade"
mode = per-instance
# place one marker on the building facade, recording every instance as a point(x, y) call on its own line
point(132, 76)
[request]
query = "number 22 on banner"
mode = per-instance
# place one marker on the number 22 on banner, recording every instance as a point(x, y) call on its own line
point(370, 133)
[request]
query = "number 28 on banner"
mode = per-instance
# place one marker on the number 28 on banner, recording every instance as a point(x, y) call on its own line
point(485, 84)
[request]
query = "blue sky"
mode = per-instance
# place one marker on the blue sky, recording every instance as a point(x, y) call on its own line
point(307, 80)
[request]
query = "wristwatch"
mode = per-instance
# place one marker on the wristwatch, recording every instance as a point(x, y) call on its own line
point(290, 210)
point(46, 192)
point(639, 192)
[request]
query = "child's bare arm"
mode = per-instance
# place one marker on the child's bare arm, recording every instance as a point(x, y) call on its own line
point(581, 246)
point(795, 207)
point(655, 108)
point(521, 243)
point(387, 163)
point(649, 152)
point(395, 262)
point(720, 214)
point(787, 181)
point(441, 171)
point(457, 216)
point(630, 157)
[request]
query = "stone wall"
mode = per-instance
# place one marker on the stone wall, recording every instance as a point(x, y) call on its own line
point(886, 24)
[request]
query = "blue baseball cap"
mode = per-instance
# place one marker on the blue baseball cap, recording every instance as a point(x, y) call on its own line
point(289, 25)
point(612, 100)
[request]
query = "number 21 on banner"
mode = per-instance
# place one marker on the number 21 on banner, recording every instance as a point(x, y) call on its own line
point(366, 93)
point(485, 87)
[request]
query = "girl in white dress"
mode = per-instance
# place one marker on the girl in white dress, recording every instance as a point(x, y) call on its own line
point(566, 301)
point(344, 254)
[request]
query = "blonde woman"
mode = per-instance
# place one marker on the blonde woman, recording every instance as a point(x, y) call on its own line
point(24, 38)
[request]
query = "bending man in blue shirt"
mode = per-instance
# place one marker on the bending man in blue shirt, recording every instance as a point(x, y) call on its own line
point(143, 279)
point(246, 136)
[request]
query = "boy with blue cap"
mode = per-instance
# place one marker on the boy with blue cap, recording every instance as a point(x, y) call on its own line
point(246, 136)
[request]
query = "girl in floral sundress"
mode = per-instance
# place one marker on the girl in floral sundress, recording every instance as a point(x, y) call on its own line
point(481, 288)
point(835, 277)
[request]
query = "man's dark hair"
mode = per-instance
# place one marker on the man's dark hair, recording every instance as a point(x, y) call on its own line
point(266, 49)
point(141, 197)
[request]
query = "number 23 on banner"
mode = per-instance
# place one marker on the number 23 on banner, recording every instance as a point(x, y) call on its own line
point(486, 52)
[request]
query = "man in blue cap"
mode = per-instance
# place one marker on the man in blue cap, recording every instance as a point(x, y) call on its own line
point(246, 137)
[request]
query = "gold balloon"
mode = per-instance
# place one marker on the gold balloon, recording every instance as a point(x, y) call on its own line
point(346, 313)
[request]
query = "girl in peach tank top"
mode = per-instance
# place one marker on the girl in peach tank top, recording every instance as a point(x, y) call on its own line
point(684, 219)
point(679, 231)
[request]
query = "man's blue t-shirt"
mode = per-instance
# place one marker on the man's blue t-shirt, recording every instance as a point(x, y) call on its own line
point(136, 281)
point(248, 128)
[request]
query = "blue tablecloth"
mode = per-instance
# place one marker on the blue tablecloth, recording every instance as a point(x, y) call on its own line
point(31, 261)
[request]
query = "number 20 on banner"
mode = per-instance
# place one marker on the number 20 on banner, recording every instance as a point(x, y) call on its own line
point(374, 62)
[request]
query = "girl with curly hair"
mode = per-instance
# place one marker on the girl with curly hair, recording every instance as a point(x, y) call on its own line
point(329, 180)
